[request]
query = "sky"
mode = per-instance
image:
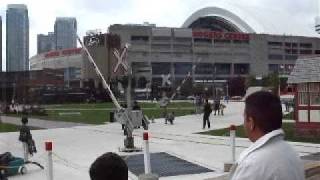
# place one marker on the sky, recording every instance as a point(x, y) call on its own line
point(100, 14)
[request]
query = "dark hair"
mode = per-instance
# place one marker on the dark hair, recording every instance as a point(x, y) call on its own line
point(265, 109)
point(24, 120)
point(109, 166)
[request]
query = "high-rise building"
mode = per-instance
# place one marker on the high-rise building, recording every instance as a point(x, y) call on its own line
point(45, 43)
point(17, 38)
point(0, 44)
point(65, 30)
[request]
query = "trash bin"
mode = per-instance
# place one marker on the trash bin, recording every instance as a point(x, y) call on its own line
point(112, 116)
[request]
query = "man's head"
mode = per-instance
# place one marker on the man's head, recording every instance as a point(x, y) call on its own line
point(24, 120)
point(109, 166)
point(262, 114)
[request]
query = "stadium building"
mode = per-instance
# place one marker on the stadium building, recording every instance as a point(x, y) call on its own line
point(222, 45)
point(68, 60)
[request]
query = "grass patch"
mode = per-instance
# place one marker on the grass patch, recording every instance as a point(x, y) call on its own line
point(109, 105)
point(8, 128)
point(287, 127)
point(100, 113)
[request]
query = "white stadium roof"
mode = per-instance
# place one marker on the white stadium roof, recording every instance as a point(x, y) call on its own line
point(257, 20)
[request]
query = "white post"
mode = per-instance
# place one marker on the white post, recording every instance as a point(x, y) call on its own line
point(233, 142)
point(147, 164)
point(50, 163)
point(25, 152)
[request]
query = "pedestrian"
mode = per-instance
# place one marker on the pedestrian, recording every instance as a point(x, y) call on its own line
point(170, 118)
point(269, 157)
point(136, 106)
point(25, 137)
point(109, 166)
point(206, 113)
point(216, 106)
point(221, 108)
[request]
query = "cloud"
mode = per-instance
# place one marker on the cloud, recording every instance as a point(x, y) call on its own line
point(99, 14)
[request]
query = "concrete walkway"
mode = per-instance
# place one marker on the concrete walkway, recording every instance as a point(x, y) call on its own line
point(76, 148)
point(38, 123)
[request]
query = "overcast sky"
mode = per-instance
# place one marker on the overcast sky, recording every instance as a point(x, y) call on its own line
point(99, 14)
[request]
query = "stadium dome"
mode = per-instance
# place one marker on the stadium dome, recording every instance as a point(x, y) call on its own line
point(249, 20)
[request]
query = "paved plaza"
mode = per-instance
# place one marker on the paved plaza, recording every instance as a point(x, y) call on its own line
point(75, 148)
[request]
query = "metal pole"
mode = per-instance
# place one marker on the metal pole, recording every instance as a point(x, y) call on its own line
point(129, 105)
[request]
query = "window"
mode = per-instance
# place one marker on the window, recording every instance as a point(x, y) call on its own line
point(221, 41)
point(314, 93)
point(202, 40)
point(182, 68)
point(240, 42)
point(161, 68)
point(303, 94)
point(223, 68)
point(306, 45)
point(317, 52)
point(291, 57)
point(273, 68)
point(139, 38)
point(288, 45)
point(204, 68)
point(305, 51)
point(275, 57)
point(241, 68)
point(271, 43)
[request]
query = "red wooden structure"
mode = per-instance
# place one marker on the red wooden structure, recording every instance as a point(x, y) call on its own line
point(306, 78)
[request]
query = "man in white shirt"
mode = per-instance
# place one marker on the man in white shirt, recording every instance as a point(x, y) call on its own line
point(269, 157)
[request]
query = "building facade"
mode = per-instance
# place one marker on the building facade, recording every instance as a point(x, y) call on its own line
point(65, 30)
point(17, 38)
point(45, 43)
point(217, 55)
point(68, 60)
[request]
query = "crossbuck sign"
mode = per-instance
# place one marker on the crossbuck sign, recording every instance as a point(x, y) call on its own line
point(122, 59)
point(166, 80)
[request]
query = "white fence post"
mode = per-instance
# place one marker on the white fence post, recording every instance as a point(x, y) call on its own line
point(147, 164)
point(50, 163)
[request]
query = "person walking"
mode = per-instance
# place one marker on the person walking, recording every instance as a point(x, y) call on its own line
point(206, 114)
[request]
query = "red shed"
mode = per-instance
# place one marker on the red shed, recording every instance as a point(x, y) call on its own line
point(306, 79)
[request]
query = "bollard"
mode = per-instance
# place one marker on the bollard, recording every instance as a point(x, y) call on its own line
point(233, 142)
point(147, 164)
point(227, 166)
point(48, 146)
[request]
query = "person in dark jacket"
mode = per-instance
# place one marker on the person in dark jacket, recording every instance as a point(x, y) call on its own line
point(26, 138)
point(207, 111)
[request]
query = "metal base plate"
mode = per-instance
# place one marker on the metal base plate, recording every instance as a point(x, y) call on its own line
point(164, 164)
point(135, 149)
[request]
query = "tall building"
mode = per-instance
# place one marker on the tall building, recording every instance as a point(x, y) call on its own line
point(17, 38)
point(0, 44)
point(45, 43)
point(65, 29)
